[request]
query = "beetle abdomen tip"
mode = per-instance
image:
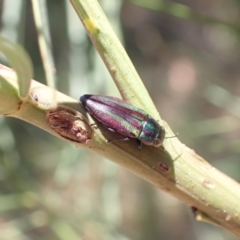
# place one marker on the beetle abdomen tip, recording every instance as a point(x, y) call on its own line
point(84, 98)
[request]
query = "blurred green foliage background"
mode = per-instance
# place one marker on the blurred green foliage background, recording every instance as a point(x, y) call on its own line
point(187, 54)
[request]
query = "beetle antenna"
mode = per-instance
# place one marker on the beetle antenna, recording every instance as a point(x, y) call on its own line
point(172, 136)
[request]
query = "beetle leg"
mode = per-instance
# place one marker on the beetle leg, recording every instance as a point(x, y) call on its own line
point(139, 144)
point(118, 139)
point(111, 129)
point(93, 125)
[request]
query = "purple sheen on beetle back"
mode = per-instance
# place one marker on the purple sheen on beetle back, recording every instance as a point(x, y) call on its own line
point(132, 122)
point(115, 113)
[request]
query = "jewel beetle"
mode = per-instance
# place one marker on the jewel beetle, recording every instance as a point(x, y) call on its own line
point(119, 116)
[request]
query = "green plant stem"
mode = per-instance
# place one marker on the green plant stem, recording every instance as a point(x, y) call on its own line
point(41, 21)
point(182, 173)
point(113, 54)
point(177, 169)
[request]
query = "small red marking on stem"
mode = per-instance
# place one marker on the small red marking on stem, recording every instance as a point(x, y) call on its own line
point(163, 167)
